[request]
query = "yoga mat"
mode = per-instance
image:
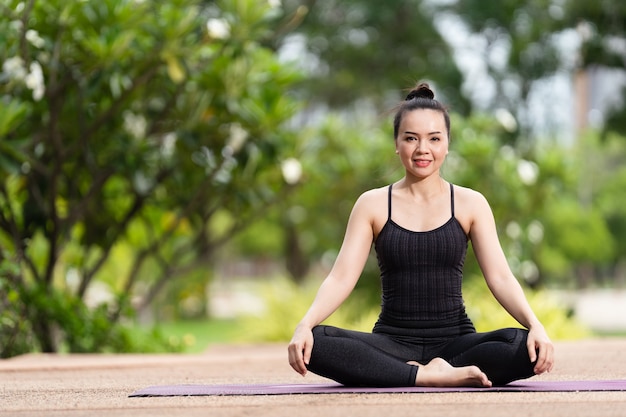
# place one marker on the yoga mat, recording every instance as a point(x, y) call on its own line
point(289, 389)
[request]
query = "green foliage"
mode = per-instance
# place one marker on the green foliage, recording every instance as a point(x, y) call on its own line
point(84, 329)
point(525, 44)
point(602, 185)
point(580, 232)
point(547, 209)
point(350, 43)
point(487, 314)
point(138, 138)
point(598, 21)
point(287, 303)
point(583, 220)
point(339, 162)
point(15, 333)
point(78, 327)
point(131, 130)
point(194, 336)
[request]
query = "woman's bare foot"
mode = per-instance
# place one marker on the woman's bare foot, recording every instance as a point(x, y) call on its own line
point(439, 373)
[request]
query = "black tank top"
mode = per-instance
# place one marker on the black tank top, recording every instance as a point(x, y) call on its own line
point(422, 272)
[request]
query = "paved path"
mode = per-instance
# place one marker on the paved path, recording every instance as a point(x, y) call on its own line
point(94, 385)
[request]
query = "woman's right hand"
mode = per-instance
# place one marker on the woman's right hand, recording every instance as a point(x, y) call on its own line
point(300, 349)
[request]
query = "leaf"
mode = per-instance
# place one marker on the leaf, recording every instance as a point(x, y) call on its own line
point(175, 69)
point(11, 115)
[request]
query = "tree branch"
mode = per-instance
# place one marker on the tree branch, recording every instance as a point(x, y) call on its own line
point(77, 210)
point(169, 269)
point(121, 228)
point(23, 42)
point(10, 226)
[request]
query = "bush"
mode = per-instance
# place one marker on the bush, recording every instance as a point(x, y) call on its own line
point(15, 333)
point(286, 303)
point(79, 327)
point(488, 314)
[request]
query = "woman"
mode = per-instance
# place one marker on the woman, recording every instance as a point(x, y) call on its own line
point(420, 227)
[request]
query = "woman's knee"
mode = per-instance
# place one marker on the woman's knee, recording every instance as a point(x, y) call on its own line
point(519, 338)
point(323, 330)
point(511, 335)
point(320, 331)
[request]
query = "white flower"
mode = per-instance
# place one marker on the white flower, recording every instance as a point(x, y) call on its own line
point(292, 170)
point(513, 230)
point(528, 171)
point(218, 28)
point(169, 144)
point(142, 183)
point(274, 3)
point(14, 68)
point(134, 124)
point(34, 81)
point(506, 119)
point(16, 25)
point(33, 37)
point(238, 136)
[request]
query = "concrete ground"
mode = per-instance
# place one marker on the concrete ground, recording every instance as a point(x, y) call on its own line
point(93, 385)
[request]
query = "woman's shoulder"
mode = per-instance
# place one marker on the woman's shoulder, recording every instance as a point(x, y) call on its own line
point(470, 202)
point(372, 200)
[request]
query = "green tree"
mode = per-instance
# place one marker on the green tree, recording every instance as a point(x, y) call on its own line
point(359, 51)
point(341, 157)
point(157, 126)
point(600, 161)
point(522, 46)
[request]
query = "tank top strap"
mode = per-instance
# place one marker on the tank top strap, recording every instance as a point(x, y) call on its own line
point(389, 203)
point(452, 198)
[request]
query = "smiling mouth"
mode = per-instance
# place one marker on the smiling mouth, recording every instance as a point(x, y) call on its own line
point(421, 162)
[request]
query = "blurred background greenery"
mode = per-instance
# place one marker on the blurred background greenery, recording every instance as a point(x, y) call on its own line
point(178, 173)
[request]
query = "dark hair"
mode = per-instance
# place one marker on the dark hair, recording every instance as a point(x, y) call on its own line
point(420, 97)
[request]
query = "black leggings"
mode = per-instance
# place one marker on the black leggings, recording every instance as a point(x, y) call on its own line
point(377, 359)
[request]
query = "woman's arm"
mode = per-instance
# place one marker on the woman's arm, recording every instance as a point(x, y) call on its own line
point(338, 284)
point(503, 284)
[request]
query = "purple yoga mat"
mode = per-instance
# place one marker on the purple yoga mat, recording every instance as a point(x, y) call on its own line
point(287, 389)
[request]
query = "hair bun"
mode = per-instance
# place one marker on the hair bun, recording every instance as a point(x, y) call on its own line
point(421, 91)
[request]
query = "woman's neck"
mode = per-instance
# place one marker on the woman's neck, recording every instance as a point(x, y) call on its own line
point(422, 188)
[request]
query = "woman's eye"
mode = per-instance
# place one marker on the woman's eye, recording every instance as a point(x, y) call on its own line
point(436, 139)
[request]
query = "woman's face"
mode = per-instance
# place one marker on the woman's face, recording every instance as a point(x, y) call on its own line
point(422, 142)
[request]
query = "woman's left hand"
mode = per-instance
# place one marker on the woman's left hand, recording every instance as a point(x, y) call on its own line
point(540, 349)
